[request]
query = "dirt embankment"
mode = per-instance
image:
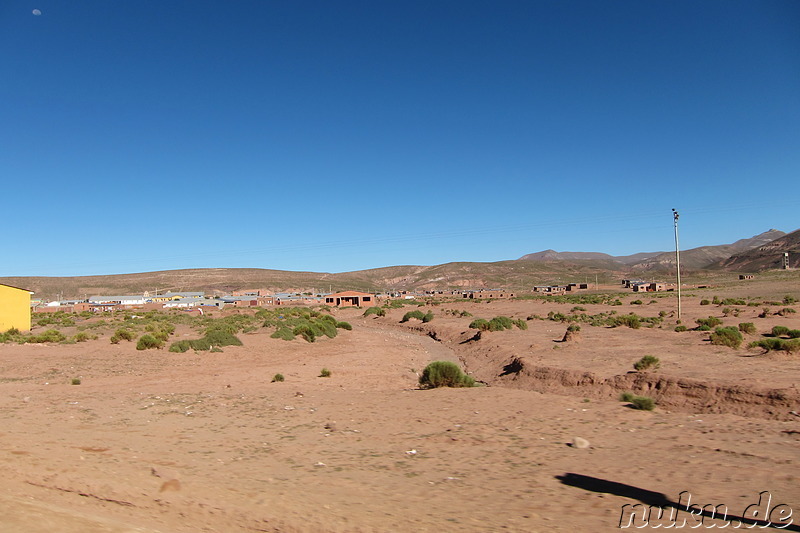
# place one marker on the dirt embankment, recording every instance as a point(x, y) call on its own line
point(497, 364)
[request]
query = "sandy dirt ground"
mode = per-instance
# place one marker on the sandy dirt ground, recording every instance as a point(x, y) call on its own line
point(153, 441)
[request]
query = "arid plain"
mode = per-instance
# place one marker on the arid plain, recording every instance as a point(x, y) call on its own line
point(154, 441)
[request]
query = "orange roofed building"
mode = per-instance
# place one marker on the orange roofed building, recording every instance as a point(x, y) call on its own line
point(354, 298)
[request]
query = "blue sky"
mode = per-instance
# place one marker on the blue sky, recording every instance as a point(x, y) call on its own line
point(336, 136)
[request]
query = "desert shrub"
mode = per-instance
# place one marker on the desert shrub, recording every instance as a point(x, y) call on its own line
point(791, 345)
point(76, 381)
point(147, 342)
point(728, 336)
point(521, 324)
point(786, 311)
point(283, 333)
point(344, 325)
point(715, 300)
point(419, 315)
point(789, 299)
point(733, 301)
point(704, 302)
point(480, 324)
point(636, 302)
point(644, 403)
point(794, 333)
point(626, 396)
point(180, 346)
point(325, 373)
point(647, 362)
point(500, 323)
point(122, 334)
point(680, 329)
point(428, 316)
point(573, 328)
point(577, 308)
point(444, 374)
point(305, 331)
point(747, 327)
point(81, 336)
point(277, 378)
point(703, 328)
point(632, 321)
point(378, 311)
point(711, 322)
point(221, 337)
point(50, 335)
point(780, 331)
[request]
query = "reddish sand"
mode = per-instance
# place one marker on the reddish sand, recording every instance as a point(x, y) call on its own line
point(157, 441)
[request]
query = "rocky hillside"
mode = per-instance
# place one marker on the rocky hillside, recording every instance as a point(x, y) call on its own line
point(693, 259)
point(764, 257)
point(704, 256)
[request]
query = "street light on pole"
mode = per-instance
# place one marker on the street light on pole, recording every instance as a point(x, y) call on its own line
point(677, 259)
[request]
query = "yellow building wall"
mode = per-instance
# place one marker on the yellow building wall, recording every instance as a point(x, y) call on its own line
point(15, 309)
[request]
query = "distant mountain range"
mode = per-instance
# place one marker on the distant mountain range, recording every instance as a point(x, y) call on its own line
point(692, 259)
point(761, 252)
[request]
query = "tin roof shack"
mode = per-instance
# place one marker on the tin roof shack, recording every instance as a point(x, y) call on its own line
point(576, 286)
point(630, 283)
point(655, 286)
point(350, 298)
point(550, 289)
point(489, 293)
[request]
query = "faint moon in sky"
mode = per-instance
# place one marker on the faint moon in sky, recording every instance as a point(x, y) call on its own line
point(37, 12)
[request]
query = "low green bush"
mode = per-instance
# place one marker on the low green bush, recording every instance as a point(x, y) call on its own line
point(444, 374)
point(428, 316)
point(325, 373)
point(786, 345)
point(780, 331)
point(479, 324)
point(419, 315)
point(647, 362)
point(711, 322)
point(277, 378)
point(283, 333)
point(344, 325)
point(727, 336)
point(704, 302)
point(147, 342)
point(50, 335)
point(680, 328)
point(643, 403)
point(500, 323)
point(747, 327)
point(378, 311)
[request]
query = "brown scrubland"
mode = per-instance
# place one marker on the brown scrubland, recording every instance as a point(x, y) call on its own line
point(102, 437)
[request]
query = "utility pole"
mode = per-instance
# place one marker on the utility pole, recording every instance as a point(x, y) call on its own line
point(677, 260)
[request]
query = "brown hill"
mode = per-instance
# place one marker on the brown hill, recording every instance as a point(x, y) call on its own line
point(767, 256)
point(703, 256)
point(507, 274)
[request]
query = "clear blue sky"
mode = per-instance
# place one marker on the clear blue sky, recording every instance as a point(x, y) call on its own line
point(339, 135)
